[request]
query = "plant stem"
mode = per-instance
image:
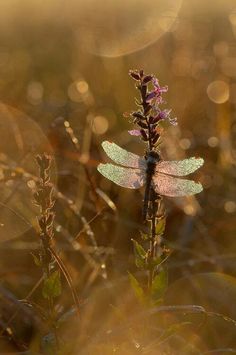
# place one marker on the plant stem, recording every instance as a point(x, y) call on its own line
point(51, 311)
point(152, 247)
point(152, 199)
point(45, 200)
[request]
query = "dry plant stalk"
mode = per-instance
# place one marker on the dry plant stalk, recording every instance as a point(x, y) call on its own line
point(44, 198)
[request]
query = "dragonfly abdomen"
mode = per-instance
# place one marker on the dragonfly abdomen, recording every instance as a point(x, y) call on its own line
point(151, 165)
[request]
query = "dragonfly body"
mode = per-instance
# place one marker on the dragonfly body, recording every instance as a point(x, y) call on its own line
point(152, 159)
point(134, 171)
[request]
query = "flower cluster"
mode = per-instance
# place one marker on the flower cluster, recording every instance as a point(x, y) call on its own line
point(149, 114)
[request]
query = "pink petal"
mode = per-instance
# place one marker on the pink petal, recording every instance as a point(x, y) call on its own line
point(135, 132)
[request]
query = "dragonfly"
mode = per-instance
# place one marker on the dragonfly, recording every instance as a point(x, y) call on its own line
point(133, 171)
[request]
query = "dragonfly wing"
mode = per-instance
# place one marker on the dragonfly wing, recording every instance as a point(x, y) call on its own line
point(179, 168)
point(171, 186)
point(125, 177)
point(122, 156)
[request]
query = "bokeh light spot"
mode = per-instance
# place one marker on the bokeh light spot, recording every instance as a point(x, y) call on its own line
point(166, 21)
point(73, 93)
point(218, 91)
point(230, 206)
point(82, 86)
point(185, 143)
point(190, 210)
point(100, 125)
point(128, 26)
point(213, 142)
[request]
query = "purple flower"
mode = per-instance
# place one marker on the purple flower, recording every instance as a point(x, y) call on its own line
point(135, 132)
point(163, 115)
point(157, 92)
point(158, 87)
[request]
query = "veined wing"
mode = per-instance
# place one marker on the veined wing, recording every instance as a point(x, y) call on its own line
point(171, 186)
point(179, 167)
point(125, 177)
point(122, 156)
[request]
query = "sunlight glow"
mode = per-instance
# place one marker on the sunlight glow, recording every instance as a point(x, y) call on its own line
point(128, 27)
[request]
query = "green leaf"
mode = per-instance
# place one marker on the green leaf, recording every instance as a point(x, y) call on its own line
point(37, 259)
point(160, 227)
point(144, 236)
point(155, 262)
point(140, 254)
point(159, 260)
point(52, 285)
point(159, 285)
point(137, 288)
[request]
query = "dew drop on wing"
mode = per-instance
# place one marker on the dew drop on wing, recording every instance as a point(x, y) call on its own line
point(125, 177)
point(179, 167)
point(171, 186)
point(123, 157)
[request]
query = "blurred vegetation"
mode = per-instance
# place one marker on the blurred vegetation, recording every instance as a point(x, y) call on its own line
point(64, 87)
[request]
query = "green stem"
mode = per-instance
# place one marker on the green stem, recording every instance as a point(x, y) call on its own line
point(152, 248)
point(51, 309)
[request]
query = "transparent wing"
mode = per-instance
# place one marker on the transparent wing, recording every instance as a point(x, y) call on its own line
point(122, 156)
point(179, 168)
point(171, 186)
point(125, 177)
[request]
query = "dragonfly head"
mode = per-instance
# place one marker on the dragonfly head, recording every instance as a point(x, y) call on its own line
point(153, 157)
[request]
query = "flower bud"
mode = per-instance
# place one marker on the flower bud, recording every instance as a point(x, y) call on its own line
point(153, 120)
point(142, 124)
point(147, 109)
point(144, 135)
point(155, 138)
point(134, 74)
point(147, 79)
point(138, 115)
